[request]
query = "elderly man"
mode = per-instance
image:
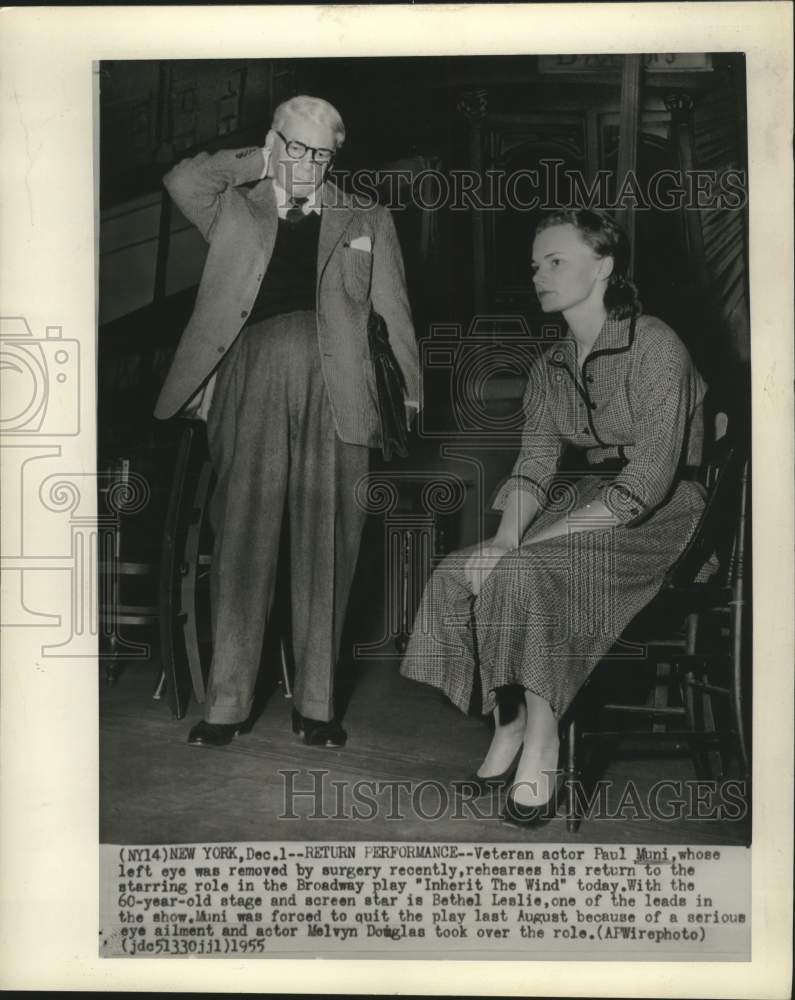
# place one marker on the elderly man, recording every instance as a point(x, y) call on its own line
point(278, 342)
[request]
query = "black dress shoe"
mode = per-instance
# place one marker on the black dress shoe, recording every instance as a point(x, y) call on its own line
point(213, 734)
point(318, 733)
point(475, 787)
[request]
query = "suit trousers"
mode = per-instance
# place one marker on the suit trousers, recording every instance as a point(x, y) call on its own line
point(275, 451)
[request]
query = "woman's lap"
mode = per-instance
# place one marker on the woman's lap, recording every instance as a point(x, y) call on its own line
point(548, 612)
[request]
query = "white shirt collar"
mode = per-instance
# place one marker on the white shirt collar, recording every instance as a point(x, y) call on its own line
point(314, 203)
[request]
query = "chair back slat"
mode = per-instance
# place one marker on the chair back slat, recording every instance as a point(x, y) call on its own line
point(717, 530)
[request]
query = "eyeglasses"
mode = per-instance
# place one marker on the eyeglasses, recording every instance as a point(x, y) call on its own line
point(297, 150)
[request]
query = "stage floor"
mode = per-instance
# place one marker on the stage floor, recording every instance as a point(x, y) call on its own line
point(156, 789)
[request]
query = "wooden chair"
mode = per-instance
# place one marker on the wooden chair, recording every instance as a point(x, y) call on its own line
point(184, 599)
point(126, 583)
point(704, 653)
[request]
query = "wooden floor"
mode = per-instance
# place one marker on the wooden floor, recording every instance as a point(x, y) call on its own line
point(157, 789)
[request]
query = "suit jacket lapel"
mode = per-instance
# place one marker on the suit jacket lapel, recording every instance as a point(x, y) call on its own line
point(333, 220)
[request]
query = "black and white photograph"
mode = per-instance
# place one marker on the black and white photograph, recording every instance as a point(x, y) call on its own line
point(410, 498)
point(491, 408)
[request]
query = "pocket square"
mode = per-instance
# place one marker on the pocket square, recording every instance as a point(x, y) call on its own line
point(362, 243)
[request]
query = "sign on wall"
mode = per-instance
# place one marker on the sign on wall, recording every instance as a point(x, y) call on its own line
point(659, 62)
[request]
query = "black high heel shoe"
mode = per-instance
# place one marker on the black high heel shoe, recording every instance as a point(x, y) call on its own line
point(475, 787)
point(517, 814)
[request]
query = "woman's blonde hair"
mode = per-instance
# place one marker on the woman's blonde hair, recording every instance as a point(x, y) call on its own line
point(316, 110)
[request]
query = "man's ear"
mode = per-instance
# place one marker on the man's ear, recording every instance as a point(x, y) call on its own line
point(269, 138)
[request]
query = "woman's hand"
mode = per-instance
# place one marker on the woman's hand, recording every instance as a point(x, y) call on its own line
point(481, 563)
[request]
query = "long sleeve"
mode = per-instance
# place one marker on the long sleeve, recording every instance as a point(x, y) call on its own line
point(390, 299)
point(197, 184)
point(667, 391)
point(539, 452)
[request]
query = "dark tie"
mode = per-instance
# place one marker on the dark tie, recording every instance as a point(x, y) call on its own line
point(296, 213)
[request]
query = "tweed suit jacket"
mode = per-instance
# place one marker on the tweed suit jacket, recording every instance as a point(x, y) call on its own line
point(359, 263)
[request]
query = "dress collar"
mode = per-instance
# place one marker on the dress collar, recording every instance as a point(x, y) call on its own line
point(615, 337)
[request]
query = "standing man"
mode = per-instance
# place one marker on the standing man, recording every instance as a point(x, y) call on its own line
point(278, 342)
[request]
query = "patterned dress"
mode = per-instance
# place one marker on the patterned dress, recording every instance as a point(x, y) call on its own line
point(551, 610)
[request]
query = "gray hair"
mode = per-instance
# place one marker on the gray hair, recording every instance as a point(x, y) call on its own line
point(316, 110)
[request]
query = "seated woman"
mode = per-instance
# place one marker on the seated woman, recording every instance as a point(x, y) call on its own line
point(573, 561)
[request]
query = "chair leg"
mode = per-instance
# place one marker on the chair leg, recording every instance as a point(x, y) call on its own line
point(190, 573)
point(572, 779)
point(160, 687)
point(112, 668)
point(172, 645)
point(737, 699)
point(738, 618)
point(694, 714)
point(713, 752)
point(660, 695)
point(698, 709)
point(287, 687)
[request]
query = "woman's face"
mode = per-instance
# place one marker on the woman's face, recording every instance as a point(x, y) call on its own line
point(566, 271)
